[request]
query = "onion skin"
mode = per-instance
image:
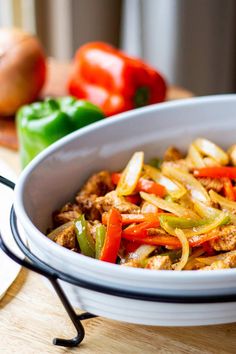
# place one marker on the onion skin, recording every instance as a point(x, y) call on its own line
point(22, 70)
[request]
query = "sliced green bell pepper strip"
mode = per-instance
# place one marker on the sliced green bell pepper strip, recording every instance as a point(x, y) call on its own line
point(85, 239)
point(155, 162)
point(213, 223)
point(100, 238)
point(182, 223)
point(42, 123)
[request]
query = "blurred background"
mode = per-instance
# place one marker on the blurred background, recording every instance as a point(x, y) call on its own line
point(192, 42)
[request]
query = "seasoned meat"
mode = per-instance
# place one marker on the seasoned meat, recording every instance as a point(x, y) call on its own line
point(182, 164)
point(212, 183)
point(88, 206)
point(131, 263)
point(113, 200)
point(226, 240)
point(172, 154)
point(159, 262)
point(63, 218)
point(70, 207)
point(216, 265)
point(69, 212)
point(229, 261)
point(67, 238)
point(99, 184)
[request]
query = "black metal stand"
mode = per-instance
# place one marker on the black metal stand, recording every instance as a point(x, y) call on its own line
point(76, 319)
point(35, 264)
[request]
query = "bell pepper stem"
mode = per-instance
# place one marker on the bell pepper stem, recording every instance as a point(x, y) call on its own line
point(141, 97)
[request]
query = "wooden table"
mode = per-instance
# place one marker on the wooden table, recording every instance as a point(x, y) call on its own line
point(31, 316)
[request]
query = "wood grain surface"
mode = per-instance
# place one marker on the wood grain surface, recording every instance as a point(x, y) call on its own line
point(31, 315)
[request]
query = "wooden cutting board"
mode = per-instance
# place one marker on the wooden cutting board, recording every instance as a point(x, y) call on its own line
point(56, 86)
point(31, 315)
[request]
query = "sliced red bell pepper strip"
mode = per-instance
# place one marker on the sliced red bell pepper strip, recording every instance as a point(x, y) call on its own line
point(161, 240)
point(196, 241)
point(216, 172)
point(134, 218)
point(141, 229)
point(154, 240)
point(228, 189)
point(115, 177)
point(208, 249)
point(113, 237)
point(134, 199)
point(143, 185)
point(130, 246)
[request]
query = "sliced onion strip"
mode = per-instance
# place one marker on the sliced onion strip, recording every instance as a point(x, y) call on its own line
point(130, 175)
point(174, 188)
point(197, 191)
point(172, 207)
point(185, 249)
point(210, 149)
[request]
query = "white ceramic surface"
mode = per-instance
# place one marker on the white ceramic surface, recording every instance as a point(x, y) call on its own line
point(8, 269)
point(55, 175)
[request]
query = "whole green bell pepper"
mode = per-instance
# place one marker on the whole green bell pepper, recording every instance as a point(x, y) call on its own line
point(42, 123)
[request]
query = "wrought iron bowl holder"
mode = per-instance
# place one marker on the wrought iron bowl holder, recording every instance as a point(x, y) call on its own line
point(35, 264)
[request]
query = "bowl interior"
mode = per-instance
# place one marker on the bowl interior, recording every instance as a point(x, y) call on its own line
point(58, 173)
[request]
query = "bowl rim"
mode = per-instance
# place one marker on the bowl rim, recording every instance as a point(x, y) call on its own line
point(105, 267)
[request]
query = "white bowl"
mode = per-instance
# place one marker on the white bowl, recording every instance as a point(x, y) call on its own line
point(55, 176)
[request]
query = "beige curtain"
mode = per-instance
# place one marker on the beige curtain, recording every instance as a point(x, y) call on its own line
point(63, 25)
point(191, 41)
point(18, 13)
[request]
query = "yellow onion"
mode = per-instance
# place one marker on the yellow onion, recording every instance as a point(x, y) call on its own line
point(22, 69)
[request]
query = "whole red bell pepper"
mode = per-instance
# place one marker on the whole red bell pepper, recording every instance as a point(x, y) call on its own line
point(114, 81)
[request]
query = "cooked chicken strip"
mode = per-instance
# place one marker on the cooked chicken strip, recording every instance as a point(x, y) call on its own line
point(226, 240)
point(159, 263)
point(212, 183)
point(172, 154)
point(67, 238)
point(229, 261)
point(113, 200)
